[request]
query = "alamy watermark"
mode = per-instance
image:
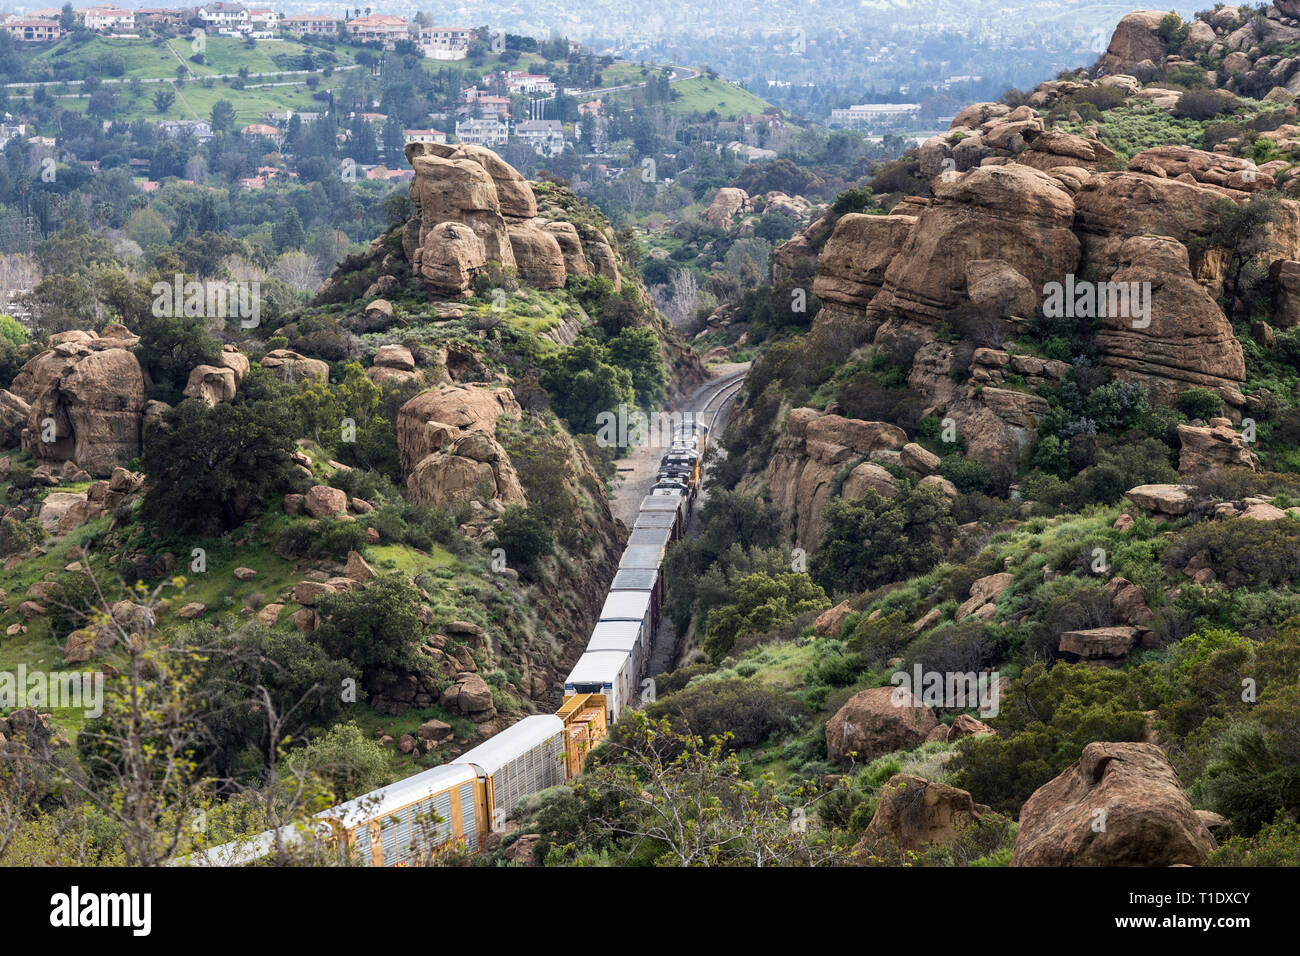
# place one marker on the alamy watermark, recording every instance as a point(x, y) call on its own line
point(209, 299)
point(74, 690)
point(951, 689)
point(1080, 299)
point(633, 428)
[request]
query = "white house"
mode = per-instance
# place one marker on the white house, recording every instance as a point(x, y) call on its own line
point(482, 132)
point(423, 136)
point(221, 14)
point(546, 137)
point(105, 18)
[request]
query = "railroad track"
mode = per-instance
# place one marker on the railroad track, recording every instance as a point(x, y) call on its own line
point(726, 389)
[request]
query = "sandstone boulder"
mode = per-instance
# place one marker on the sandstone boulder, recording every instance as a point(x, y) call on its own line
point(287, 365)
point(1205, 450)
point(1098, 645)
point(322, 501)
point(1119, 804)
point(537, 255)
point(433, 418)
point(877, 721)
point(1163, 499)
point(85, 405)
point(726, 206)
point(451, 255)
point(211, 384)
point(1136, 39)
point(1181, 338)
point(913, 812)
point(829, 622)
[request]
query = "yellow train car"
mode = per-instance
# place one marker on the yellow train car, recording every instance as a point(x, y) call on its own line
point(585, 725)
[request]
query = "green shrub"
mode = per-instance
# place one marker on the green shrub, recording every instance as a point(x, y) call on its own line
point(748, 712)
point(1199, 403)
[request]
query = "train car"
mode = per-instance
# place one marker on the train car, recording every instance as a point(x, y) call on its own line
point(649, 580)
point(604, 672)
point(586, 722)
point(667, 502)
point(626, 636)
point(681, 464)
point(658, 519)
point(525, 758)
point(408, 821)
point(635, 608)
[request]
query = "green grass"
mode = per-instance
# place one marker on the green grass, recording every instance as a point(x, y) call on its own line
point(703, 94)
point(222, 55)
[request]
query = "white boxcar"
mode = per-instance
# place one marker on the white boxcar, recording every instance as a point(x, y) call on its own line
point(655, 519)
point(604, 672)
point(627, 636)
point(523, 759)
point(671, 502)
point(650, 537)
point(397, 823)
point(634, 606)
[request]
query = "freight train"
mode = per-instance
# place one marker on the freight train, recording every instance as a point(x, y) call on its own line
point(456, 805)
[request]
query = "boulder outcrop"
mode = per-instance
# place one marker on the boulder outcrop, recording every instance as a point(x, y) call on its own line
point(812, 450)
point(1119, 804)
point(86, 400)
point(913, 812)
point(877, 721)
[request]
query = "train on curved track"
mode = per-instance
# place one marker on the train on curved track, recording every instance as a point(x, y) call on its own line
point(457, 804)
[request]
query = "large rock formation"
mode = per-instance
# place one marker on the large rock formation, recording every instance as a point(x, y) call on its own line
point(812, 450)
point(447, 448)
point(1011, 213)
point(472, 208)
point(853, 263)
point(1119, 804)
point(1185, 339)
point(86, 399)
point(1136, 41)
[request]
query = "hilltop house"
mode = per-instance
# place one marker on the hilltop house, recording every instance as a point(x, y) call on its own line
point(379, 27)
point(519, 82)
point(175, 129)
point(442, 43)
point(315, 26)
point(482, 132)
point(223, 15)
point(33, 29)
point(102, 18)
point(423, 136)
point(546, 137)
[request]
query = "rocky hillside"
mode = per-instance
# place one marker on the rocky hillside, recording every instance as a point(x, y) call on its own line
point(1002, 530)
point(380, 483)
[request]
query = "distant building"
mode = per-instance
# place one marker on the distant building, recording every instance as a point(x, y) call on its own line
point(311, 26)
point(161, 16)
point(33, 29)
point(482, 132)
point(379, 27)
point(175, 129)
point(263, 18)
point(868, 115)
point(260, 129)
point(220, 14)
point(546, 137)
point(518, 82)
point(105, 18)
point(423, 136)
point(442, 43)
